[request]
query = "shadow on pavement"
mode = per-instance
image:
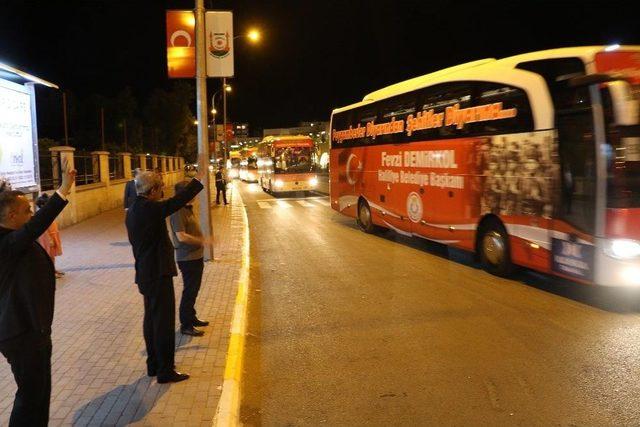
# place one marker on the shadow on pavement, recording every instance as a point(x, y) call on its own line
point(617, 300)
point(120, 244)
point(100, 267)
point(123, 405)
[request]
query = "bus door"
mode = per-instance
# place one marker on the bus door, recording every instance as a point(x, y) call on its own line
point(576, 195)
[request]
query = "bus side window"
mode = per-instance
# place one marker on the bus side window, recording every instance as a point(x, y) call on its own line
point(340, 121)
point(362, 116)
point(396, 108)
point(512, 98)
point(438, 98)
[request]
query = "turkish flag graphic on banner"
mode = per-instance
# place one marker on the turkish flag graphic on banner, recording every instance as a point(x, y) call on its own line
point(181, 44)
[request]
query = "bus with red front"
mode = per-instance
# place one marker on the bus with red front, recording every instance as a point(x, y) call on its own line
point(531, 160)
point(284, 164)
point(249, 166)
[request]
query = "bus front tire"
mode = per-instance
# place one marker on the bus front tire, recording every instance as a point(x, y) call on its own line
point(364, 218)
point(495, 250)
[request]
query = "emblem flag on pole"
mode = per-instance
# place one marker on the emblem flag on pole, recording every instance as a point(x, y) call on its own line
point(181, 44)
point(219, 28)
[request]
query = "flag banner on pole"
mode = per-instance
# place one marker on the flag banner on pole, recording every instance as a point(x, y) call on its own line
point(219, 38)
point(181, 44)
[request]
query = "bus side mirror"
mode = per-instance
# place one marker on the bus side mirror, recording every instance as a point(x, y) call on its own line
point(590, 79)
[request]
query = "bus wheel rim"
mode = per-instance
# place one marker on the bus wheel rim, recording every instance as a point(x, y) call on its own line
point(365, 216)
point(493, 247)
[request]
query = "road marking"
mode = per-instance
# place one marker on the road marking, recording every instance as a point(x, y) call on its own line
point(292, 199)
point(323, 201)
point(228, 410)
point(283, 204)
point(306, 204)
point(265, 205)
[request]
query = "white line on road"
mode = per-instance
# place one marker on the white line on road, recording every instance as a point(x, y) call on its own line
point(323, 201)
point(265, 205)
point(292, 198)
point(283, 204)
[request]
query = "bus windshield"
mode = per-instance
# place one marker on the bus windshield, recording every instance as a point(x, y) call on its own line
point(252, 163)
point(292, 160)
point(623, 183)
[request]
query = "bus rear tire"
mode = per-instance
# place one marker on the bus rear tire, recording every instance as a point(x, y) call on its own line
point(494, 249)
point(364, 218)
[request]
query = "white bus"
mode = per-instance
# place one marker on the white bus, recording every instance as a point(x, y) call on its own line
point(531, 160)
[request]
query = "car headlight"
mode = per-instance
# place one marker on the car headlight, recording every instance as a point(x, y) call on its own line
point(313, 182)
point(623, 248)
point(279, 183)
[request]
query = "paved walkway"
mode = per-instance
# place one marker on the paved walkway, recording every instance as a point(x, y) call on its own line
point(99, 374)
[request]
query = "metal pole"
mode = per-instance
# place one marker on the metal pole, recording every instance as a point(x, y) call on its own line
point(203, 137)
point(64, 110)
point(225, 153)
point(126, 143)
point(102, 126)
point(213, 123)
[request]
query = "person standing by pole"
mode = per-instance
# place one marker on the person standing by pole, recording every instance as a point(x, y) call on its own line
point(221, 185)
point(27, 293)
point(156, 267)
point(189, 244)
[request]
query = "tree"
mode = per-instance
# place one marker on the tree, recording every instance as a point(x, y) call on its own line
point(169, 120)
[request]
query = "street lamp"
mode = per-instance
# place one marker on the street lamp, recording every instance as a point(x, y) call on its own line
point(254, 35)
point(227, 88)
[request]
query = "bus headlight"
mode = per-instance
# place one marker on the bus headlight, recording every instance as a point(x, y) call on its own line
point(630, 276)
point(279, 183)
point(313, 181)
point(623, 248)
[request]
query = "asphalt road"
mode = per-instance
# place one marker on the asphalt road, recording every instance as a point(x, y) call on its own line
point(349, 329)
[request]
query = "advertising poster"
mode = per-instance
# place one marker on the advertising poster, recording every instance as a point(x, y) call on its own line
point(16, 136)
point(219, 36)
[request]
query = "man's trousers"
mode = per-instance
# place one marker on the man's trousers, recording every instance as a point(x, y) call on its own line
point(30, 360)
point(192, 278)
point(159, 324)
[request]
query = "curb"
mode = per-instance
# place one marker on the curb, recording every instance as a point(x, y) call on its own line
point(228, 410)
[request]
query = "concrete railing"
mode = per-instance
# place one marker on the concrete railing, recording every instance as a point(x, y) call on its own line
point(93, 199)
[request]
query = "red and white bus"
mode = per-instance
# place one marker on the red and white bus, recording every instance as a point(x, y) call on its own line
point(531, 160)
point(249, 166)
point(285, 164)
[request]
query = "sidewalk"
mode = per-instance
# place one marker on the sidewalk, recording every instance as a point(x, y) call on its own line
point(98, 365)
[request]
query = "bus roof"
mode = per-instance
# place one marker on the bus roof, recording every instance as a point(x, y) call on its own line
point(476, 70)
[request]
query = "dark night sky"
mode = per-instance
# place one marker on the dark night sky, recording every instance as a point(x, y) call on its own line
point(315, 55)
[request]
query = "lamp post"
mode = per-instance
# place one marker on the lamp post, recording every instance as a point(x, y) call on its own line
point(254, 36)
point(203, 138)
point(225, 88)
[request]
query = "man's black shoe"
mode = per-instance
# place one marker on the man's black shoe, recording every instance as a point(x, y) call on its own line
point(199, 322)
point(173, 377)
point(192, 331)
point(151, 372)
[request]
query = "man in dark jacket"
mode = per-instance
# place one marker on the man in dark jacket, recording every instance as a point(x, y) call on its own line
point(221, 185)
point(27, 286)
point(130, 190)
point(155, 268)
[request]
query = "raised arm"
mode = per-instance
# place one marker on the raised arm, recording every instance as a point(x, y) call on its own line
point(17, 240)
point(179, 200)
